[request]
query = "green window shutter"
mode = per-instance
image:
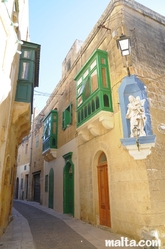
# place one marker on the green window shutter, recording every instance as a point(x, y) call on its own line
point(63, 120)
point(67, 117)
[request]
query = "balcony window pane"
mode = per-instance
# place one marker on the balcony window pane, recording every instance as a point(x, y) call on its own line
point(53, 142)
point(93, 65)
point(79, 81)
point(94, 80)
point(106, 100)
point(85, 74)
point(102, 61)
point(104, 79)
point(54, 127)
point(26, 54)
point(87, 89)
point(25, 70)
point(80, 100)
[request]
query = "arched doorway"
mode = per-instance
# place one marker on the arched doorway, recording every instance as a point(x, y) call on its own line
point(69, 189)
point(103, 191)
point(51, 189)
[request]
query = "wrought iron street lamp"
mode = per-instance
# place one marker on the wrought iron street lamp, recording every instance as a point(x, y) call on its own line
point(123, 43)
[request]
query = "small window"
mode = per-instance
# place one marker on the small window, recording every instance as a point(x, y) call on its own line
point(19, 157)
point(21, 183)
point(46, 183)
point(26, 148)
point(24, 167)
point(67, 117)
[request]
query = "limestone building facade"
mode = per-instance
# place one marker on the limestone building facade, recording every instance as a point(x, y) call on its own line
point(19, 58)
point(118, 180)
point(97, 166)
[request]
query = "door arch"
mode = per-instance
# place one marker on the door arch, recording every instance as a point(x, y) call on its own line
point(68, 181)
point(103, 191)
point(51, 189)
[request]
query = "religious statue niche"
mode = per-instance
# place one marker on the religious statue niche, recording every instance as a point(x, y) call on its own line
point(136, 114)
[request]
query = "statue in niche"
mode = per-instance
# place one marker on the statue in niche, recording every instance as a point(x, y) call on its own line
point(137, 117)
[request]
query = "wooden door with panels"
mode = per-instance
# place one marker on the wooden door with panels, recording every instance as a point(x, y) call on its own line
point(103, 191)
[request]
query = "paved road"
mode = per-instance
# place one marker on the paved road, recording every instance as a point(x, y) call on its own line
point(50, 232)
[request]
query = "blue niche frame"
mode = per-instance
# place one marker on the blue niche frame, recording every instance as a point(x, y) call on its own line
point(134, 86)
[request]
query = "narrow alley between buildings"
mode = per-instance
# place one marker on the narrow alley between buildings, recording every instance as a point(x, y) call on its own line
point(49, 231)
point(37, 227)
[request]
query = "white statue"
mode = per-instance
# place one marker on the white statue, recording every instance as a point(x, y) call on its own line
point(136, 115)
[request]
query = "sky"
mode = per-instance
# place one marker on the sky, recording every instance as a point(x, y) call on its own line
point(56, 25)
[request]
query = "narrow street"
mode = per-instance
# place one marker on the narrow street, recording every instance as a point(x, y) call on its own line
point(50, 232)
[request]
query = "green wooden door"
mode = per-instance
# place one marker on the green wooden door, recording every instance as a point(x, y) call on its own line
point(69, 189)
point(51, 189)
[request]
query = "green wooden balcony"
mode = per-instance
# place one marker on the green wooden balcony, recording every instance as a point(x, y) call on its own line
point(49, 145)
point(28, 75)
point(94, 101)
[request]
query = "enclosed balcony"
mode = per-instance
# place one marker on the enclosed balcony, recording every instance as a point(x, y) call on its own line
point(49, 148)
point(28, 76)
point(94, 102)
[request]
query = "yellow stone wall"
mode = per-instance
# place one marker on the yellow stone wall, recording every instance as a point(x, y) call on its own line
point(15, 117)
point(136, 187)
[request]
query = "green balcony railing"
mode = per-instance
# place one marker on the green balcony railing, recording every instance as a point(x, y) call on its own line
point(100, 101)
point(49, 143)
